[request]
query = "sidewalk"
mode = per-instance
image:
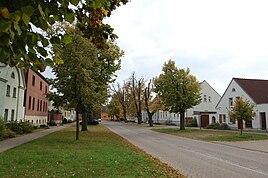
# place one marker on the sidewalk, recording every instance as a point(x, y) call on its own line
point(13, 142)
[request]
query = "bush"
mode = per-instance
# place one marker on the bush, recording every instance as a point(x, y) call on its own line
point(193, 123)
point(20, 128)
point(2, 127)
point(26, 127)
point(214, 126)
point(43, 126)
point(64, 121)
point(52, 123)
point(15, 127)
point(8, 133)
point(222, 126)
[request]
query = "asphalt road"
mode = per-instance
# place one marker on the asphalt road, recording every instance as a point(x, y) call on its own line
point(196, 158)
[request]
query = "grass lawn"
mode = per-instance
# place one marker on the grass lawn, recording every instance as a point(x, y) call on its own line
point(212, 135)
point(98, 153)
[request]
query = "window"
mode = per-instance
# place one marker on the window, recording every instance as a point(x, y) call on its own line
point(33, 80)
point(12, 75)
point(8, 90)
point(33, 103)
point(231, 102)
point(224, 118)
point(41, 85)
point(46, 90)
point(205, 98)
point(6, 114)
point(37, 105)
point(30, 100)
point(233, 90)
point(14, 92)
point(209, 99)
point(12, 114)
point(41, 105)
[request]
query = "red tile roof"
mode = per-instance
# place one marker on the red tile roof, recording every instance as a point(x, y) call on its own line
point(255, 88)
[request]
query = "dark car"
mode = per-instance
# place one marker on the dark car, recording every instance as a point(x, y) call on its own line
point(91, 122)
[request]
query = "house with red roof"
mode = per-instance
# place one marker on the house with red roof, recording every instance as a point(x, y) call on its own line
point(253, 90)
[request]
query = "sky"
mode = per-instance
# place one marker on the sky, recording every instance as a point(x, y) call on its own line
point(217, 40)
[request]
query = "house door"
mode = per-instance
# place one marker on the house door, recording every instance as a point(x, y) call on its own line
point(204, 120)
point(240, 123)
point(263, 120)
point(213, 120)
point(220, 118)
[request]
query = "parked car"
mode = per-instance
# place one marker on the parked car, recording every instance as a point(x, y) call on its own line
point(99, 120)
point(91, 122)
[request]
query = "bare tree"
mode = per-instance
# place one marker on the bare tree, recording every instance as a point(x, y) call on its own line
point(137, 87)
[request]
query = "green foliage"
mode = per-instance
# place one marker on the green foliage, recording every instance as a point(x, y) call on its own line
point(52, 123)
point(242, 110)
point(178, 89)
point(20, 127)
point(192, 123)
point(21, 43)
point(7, 133)
point(218, 126)
point(2, 127)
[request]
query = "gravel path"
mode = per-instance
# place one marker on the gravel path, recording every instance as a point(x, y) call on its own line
point(195, 158)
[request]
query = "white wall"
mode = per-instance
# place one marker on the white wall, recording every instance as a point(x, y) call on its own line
point(11, 102)
point(234, 91)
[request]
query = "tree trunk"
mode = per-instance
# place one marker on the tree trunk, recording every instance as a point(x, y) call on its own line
point(125, 113)
point(150, 116)
point(77, 125)
point(182, 116)
point(241, 130)
point(84, 122)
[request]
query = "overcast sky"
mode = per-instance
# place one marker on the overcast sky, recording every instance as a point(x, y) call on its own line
point(217, 40)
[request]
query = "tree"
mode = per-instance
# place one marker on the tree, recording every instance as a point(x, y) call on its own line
point(83, 78)
point(24, 23)
point(137, 88)
point(113, 108)
point(242, 110)
point(178, 89)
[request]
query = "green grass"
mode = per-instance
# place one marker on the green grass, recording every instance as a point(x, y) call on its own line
point(213, 135)
point(98, 153)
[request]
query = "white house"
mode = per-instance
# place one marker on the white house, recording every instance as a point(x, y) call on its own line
point(253, 90)
point(204, 112)
point(12, 87)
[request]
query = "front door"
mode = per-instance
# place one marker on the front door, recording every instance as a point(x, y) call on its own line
point(263, 120)
point(204, 120)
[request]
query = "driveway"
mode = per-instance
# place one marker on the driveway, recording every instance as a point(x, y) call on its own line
point(195, 158)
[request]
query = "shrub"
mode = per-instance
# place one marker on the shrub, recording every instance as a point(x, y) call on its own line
point(8, 133)
point(224, 126)
point(43, 126)
point(214, 126)
point(20, 128)
point(192, 123)
point(2, 127)
point(35, 127)
point(15, 127)
point(26, 127)
point(64, 121)
point(52, 123)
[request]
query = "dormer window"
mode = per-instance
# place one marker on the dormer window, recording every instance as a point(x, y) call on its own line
point(12, 75)
point(233, 90)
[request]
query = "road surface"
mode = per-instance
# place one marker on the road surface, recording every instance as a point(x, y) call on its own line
point(195, 158)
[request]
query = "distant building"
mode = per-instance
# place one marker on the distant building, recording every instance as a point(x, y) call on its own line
point(104, 114)
point(12, 87)
point(35, 102)
point(205, 112)
point(253, 90)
